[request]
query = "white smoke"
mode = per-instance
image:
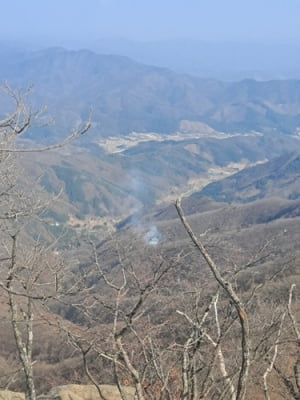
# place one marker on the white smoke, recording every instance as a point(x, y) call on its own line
point(153, 236)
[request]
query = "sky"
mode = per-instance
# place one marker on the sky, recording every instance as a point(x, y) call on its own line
point(59, 22)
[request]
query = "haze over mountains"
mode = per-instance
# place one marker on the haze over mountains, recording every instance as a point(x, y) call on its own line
point(127, 96)
point(222, 60)
point(156, 133)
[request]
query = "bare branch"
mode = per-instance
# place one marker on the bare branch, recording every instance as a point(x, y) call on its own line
point(272, 362)
point(245, 339)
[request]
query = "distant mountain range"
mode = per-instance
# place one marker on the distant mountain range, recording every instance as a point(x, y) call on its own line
point(128, 96)
point(229, 61)
point(188, 131)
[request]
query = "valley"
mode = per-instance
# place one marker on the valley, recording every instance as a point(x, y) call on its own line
point(104, 280)
point(115, 144)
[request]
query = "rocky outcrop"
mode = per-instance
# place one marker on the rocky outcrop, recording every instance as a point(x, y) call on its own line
point(85, 392)
point(75, 392)
point(9, 395)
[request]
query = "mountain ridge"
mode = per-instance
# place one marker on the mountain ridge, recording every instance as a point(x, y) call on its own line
point(128, 96)
point(277, 177)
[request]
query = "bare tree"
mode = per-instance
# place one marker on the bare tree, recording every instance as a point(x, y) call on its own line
point(286, 370)
point(27, 278)
point(125, 297)
point(236, 301)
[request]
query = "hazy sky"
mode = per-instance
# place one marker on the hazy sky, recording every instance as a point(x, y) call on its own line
point(61, 21)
